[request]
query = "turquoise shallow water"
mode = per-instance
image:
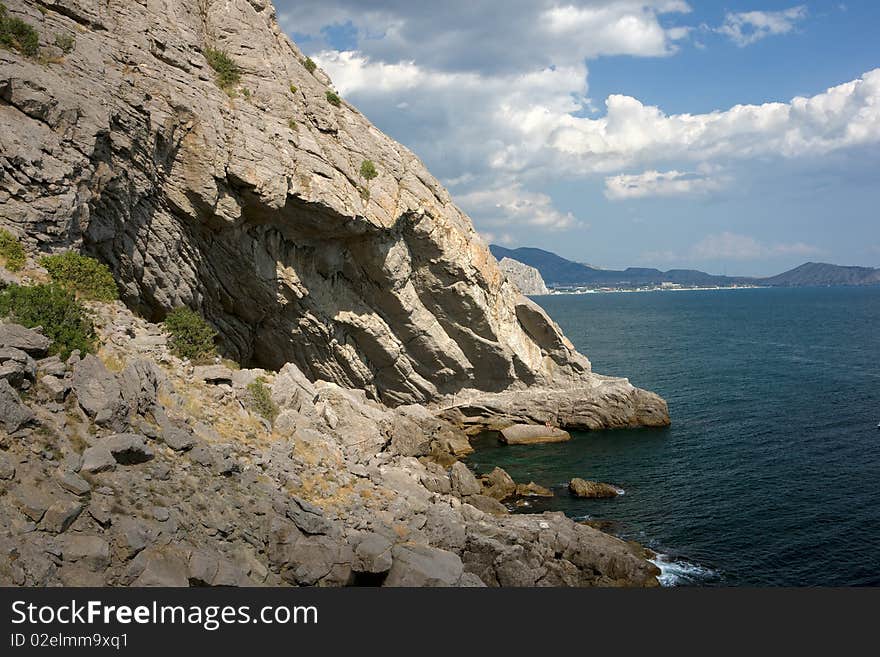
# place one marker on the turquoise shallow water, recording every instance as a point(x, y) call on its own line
point(770, 473)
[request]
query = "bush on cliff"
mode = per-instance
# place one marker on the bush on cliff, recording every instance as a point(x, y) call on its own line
point(83, 275)
point(15, 34)
point(334, 99)
point(368, 170)
point(191, 336)
point(260, 400)
point(64, 319)
point(310, 65)
point(228, 73)
point(12, 254)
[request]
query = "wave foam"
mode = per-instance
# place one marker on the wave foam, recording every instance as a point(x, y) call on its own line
point(677, 572)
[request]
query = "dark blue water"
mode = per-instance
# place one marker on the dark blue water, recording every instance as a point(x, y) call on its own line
point(770, 472)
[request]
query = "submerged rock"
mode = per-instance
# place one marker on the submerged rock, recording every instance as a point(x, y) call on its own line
point(530, 434)
point(592, 489)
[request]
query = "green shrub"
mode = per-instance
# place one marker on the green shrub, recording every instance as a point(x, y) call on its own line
point(293, 88)
point(368, 170)
point(15, 34)
point(11, 251)
point(228, 73)
point(191, 336)
point(65, 42)
point(85, 276)
point(64, 319)
point(333, 99)
point(293, 125)
point(260, 400)
point(310, 65)
point(364, 192)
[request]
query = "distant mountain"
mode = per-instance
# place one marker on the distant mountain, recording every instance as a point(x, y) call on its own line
point(821, 273)
point(559, 272)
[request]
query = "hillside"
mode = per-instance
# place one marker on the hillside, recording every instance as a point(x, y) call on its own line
point(559, 272)
point(823, 274)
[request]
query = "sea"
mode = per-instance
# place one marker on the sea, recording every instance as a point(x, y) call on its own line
point(770, 472)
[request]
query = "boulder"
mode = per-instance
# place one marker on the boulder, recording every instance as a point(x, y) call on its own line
point(498, 484)
point(99, 394)
point(421, 565)
point(97, 459)
point(139, 383)
point(532, 434)
point(72, 482)
point(60, 515)
point(128, 448)
point(13, 413)
point(213, 374)
point(532, 489)
point(372, 554)
point(178, 439)
point(7, 467)
point(487, 504)
point(463, 480)
point(55, 388)
point(17, 367)
point(164, 566)
point(32, 501)
point(92, 551)
point(30, 341)
point(592, 489)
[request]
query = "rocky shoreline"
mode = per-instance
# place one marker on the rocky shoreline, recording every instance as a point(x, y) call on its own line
point(133, 467)
point(336, 270)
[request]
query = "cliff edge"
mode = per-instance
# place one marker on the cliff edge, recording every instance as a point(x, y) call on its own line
point(245, 188)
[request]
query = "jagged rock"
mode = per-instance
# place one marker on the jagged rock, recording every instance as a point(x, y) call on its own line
point(30, 341)
point(56, 388)
point(526, 278)
point(98, 459)
point(139, 383)
point(128, 448)
point(421, 565)
point(436, 479)
point(463, 480)
point(178, 439)
point(7, 468)
point(73, 483)
point(372, 555)
point(532, 489)
point(592, 489)
point(13, 413)
point(214, 374)
point(161, 566)
point(498, 484)
point(51, 366)
point(99, 394)
point(91, 551)
point(60, 515)
point(487, 504)
point(530, 434)
point(17, 367)
point(32, 501)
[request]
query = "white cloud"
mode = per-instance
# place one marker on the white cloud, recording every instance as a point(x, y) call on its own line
point(660, 183)
point(745, 28)
point(511, 205)
point(732, 246)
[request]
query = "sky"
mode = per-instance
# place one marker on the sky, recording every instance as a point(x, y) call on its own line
point(738, 137)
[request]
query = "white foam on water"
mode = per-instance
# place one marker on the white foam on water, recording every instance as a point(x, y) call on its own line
point(677, 572)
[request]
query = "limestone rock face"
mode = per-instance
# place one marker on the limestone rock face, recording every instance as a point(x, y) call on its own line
point(526, 278)
point(247, 204)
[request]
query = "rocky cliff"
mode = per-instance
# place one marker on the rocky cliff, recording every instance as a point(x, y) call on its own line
point(249, 194)
point(527, 279)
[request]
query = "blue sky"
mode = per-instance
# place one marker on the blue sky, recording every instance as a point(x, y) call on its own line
point(629, 132)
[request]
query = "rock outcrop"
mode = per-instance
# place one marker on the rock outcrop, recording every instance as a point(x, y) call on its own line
point(202, 491)
point(248, 204)
point(526, 278)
